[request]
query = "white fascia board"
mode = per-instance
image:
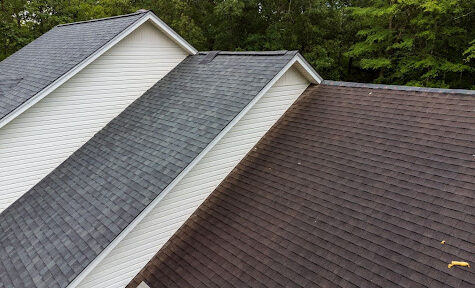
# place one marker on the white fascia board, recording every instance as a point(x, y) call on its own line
point(307, 70)
point(65, 77)
point(172, 34)
point(185, 171)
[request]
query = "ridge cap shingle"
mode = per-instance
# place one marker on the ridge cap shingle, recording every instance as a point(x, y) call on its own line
point(250, 53)
point(397, 87)
point(103, 19)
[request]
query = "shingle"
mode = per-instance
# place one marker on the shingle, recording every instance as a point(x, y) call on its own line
point(40, 63)
point(355, 186)
point(68, 218)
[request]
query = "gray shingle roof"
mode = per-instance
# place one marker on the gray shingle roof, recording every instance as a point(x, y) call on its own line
point(50, 56)
point(55, 230)
point(7, 83)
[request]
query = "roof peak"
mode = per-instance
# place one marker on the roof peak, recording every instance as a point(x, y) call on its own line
point(141, 11)
point(397, 87)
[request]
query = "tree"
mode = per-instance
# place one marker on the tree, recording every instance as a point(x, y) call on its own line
point(415, 42)
point(13, 34)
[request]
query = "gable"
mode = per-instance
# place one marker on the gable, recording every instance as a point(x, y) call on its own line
point(47, 58)
point(45, 135)
point(56, 56)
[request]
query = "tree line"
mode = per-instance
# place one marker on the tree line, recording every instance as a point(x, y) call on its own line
point(408, 42)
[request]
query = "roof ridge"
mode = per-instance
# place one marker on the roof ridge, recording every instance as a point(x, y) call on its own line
point(397, 87)
point(249, 53)
point(105, 18)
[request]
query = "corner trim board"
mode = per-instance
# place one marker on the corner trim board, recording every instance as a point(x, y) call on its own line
point(68, 75)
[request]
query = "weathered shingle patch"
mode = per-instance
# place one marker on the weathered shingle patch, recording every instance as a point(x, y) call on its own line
point(53, 54)
point(55, 230)
point(353, 187)
point(7, 83)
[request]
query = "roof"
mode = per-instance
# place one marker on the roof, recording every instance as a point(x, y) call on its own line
point(353, 187)
point(55, 230)
point(399, 87)
point(57, 55)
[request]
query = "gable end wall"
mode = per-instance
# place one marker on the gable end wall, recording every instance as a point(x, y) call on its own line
point(42, 137)
point(139, 246)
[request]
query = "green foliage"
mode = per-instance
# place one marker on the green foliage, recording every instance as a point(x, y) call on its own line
point(414, 42)
point(470, 52)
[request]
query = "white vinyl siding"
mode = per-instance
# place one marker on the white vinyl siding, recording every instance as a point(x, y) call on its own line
point(143, 285)
point(138, 247)
point(38, 140)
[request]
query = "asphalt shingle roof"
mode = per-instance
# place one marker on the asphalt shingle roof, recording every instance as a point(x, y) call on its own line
point(50, 56)
point(50, 234)
point(353, 187)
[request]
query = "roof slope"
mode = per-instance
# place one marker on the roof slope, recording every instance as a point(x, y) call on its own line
point(55, 230)
point(47, 58)
point(353, 187)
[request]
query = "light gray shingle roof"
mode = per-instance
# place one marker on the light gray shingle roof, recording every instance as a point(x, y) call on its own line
point(50, 56)
point(55, 230)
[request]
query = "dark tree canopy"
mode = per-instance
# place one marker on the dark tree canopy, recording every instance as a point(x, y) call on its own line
point(413, 42)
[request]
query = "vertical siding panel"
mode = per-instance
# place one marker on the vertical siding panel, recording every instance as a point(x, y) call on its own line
point(138, 247)
point(37, 141)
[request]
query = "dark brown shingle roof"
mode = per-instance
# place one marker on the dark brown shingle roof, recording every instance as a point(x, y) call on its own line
point(354, 187)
